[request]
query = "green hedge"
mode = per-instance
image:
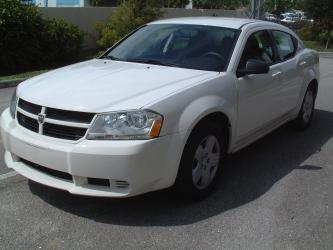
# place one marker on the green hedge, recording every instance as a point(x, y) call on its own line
point(29, 41)
point(314, 32)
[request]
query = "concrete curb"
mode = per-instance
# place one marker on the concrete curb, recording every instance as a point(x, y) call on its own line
point(11, 83)
point(326, 54)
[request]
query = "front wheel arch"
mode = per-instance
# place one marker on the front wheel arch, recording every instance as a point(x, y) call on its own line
point(300, 123)
point(220, 119)
point(216, 121)
point(314, 82)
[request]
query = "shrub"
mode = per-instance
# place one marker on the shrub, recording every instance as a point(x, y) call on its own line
point(175, 3)
point(323, 36)
point(315, 32)
point(219, 4)
point(28, 41)
point(130, 15)
point(62, 40)
point(20, 27)
point(299, 24)
point(308, 33)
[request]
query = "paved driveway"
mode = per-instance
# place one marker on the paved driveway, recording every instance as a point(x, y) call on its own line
point(275, 194)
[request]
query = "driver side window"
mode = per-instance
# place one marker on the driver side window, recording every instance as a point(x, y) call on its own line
point(259, 47)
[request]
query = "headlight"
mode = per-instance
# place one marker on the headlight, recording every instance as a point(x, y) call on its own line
point(126, 125)
point(13, 103)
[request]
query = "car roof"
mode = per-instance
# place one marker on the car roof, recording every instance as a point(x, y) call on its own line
point(227, 22)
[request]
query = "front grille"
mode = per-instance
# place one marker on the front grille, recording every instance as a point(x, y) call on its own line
point(30, 107)
point(27, 122)
point(48, 171)
point(70, 116)
point(63, 132)
point(62, 124)
point(99, 182)
point(106, 183)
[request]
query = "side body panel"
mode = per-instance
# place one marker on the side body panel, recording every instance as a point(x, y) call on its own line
point(292, 79)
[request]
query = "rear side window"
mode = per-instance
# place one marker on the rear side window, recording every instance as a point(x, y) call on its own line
point(285, 44)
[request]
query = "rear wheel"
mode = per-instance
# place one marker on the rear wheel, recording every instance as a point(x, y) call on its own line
point(305, 115)
point(201, 161)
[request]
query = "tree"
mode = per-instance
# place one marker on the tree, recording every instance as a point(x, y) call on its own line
point(175, 3)
point(280, 6)
point(130, 15)
point(219, 4)
point(322, 13)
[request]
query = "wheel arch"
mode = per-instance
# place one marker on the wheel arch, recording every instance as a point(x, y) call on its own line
point(209, 108)
point(218, 118)
point(309, 79)
point(315, 83)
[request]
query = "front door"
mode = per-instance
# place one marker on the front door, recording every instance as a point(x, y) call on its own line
point(258, 95)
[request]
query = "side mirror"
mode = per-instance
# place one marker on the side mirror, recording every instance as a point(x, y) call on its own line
point(253, 67)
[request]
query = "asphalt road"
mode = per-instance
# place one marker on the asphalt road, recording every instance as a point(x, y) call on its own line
point(274, 194)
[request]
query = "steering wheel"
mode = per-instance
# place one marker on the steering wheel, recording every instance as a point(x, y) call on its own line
point(214, 54)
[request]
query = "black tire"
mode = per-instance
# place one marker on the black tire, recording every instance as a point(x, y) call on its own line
point(185, 186)
point(303, 121)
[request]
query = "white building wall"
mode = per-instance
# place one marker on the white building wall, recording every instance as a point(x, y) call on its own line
point(40, 3)
point(52, 3)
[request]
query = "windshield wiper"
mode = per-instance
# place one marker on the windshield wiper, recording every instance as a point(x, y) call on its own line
point(113, 58)
point(148, 61)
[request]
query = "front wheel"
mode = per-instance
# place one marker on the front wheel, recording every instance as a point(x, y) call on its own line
point(305, 115)
point(201, 161)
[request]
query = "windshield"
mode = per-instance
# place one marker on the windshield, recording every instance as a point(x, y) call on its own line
point(186, 46)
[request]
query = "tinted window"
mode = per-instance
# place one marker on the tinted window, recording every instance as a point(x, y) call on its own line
point(259, 47)
point(188, 46)
point(285, 44)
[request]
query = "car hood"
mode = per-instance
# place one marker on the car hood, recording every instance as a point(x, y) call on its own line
point(104, 85)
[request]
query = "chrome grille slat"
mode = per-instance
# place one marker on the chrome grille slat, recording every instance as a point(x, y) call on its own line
point(26, 113)
point(67, 124)
point(62, 124)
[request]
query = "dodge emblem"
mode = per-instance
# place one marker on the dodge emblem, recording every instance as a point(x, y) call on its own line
point(41, 118)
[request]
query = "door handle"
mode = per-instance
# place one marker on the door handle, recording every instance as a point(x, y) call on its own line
point(302, 63)
point(276, 74)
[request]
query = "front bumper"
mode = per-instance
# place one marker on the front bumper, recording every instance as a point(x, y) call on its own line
point(131, 167)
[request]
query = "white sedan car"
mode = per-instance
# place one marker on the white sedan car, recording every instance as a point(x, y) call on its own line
point(288, 20)
point(160, 108)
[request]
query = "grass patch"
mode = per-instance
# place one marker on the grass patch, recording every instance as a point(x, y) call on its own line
point(22, 75)
point(316, 46)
